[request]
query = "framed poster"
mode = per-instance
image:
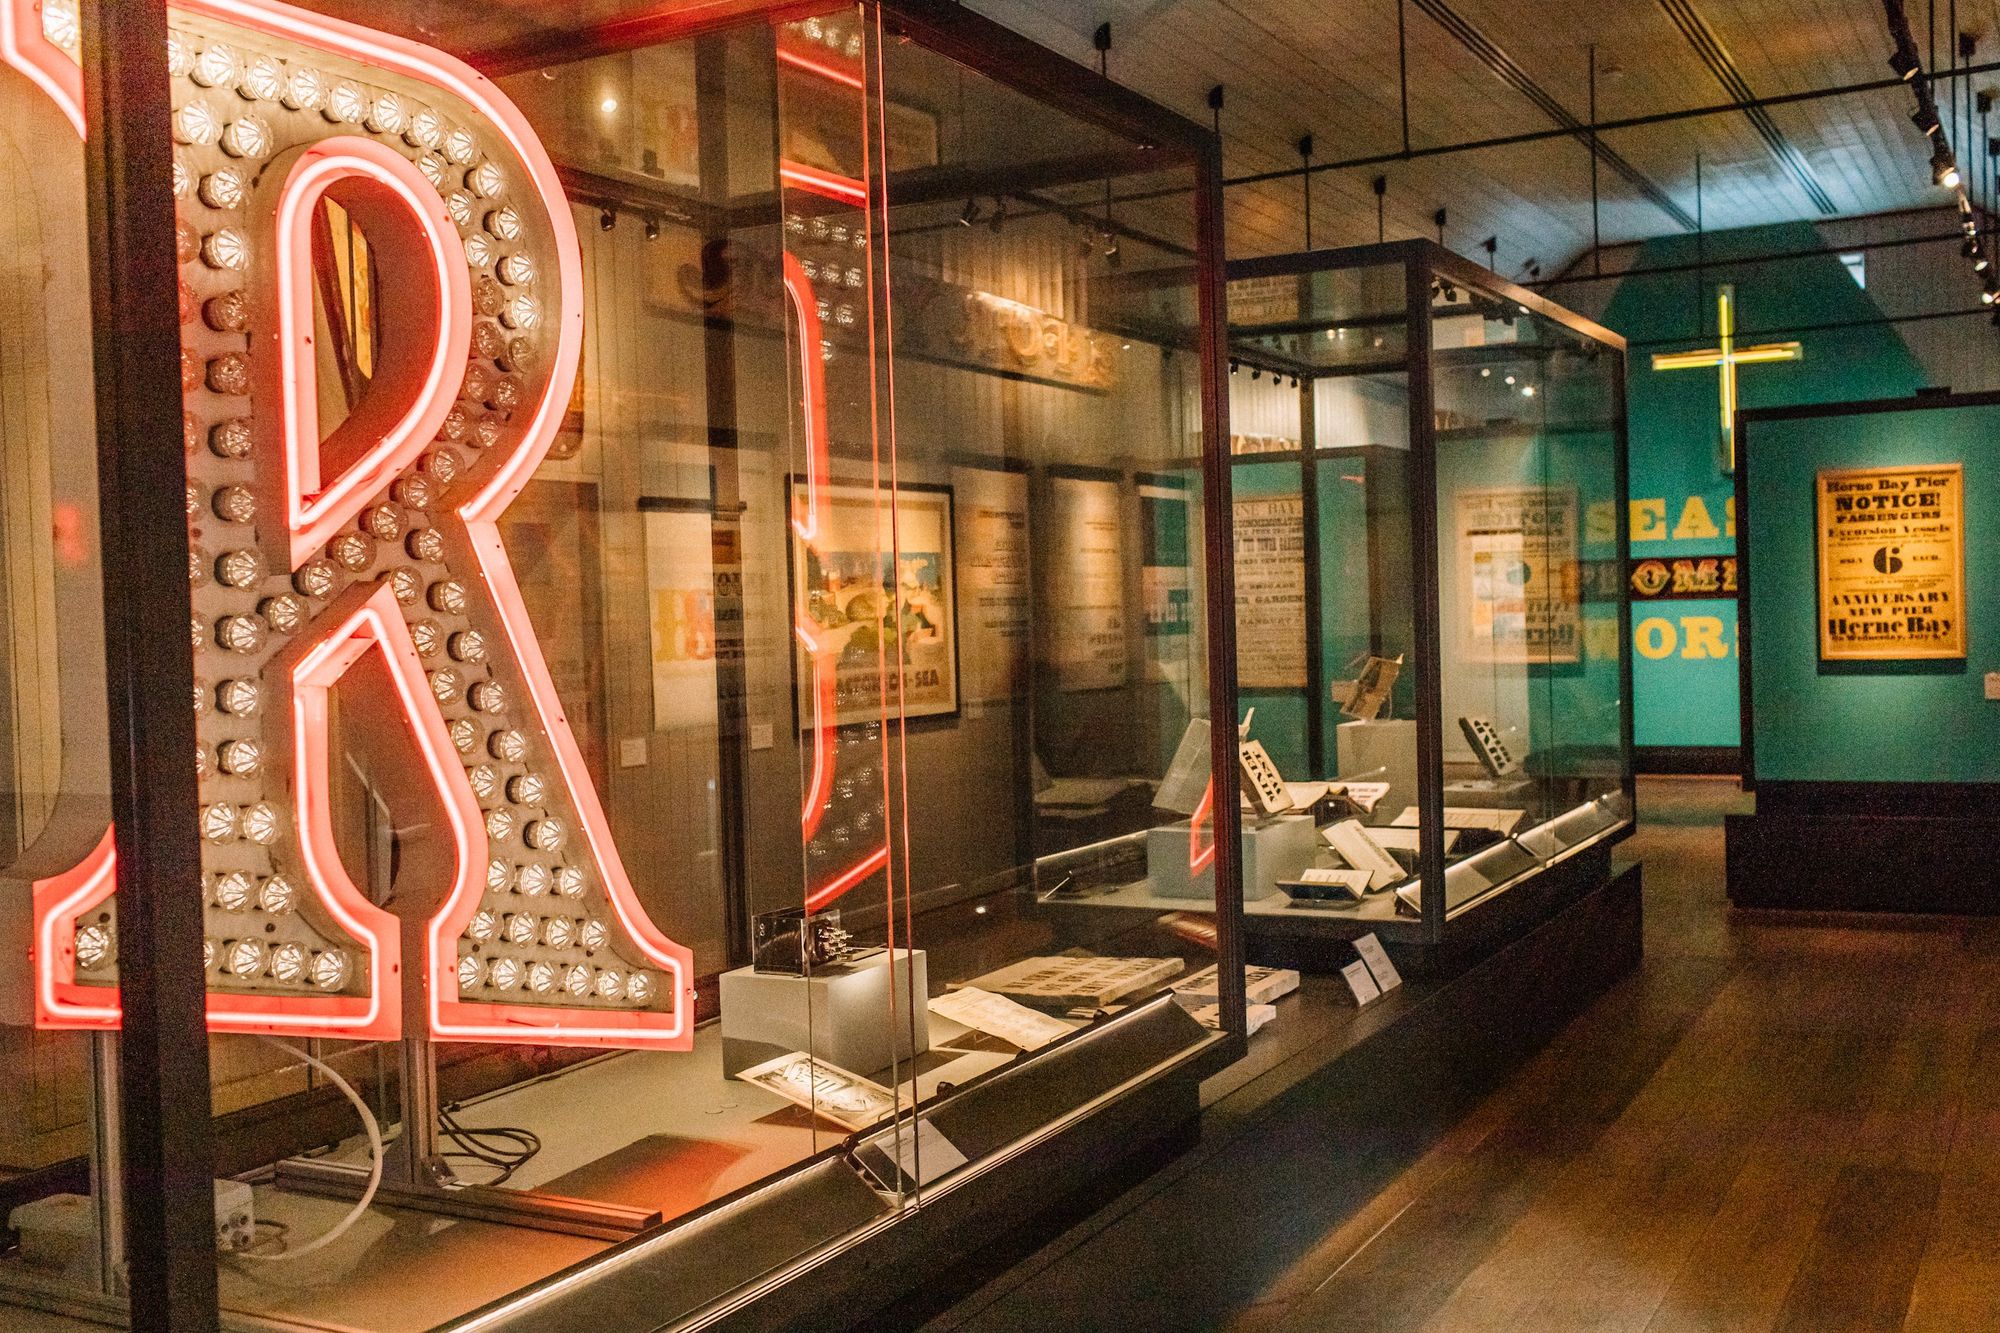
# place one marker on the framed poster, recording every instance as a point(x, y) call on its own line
point(1083, 636)
point(993, 581)
point(680, 610)
point(1166, 575)
point(1270, 592)
point(878, 585)
point(1891, 563)
point(1520, 575)
point(562, 586)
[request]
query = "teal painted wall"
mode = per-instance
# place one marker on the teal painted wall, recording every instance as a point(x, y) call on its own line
point(1868, 722)
point(1684, 665)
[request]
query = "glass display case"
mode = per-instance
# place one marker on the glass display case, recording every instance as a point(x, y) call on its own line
point(703, 553)
point(1432, 621)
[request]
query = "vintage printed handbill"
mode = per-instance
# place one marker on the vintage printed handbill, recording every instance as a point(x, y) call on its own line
point(848, 1100)
point(1892, 563)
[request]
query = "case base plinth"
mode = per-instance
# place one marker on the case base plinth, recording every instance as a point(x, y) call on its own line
point(1279, 848)
point(841, 1014)
point(1863, 861)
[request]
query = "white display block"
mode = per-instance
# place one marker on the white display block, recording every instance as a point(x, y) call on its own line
point(1273, 850)
point(1384, 751)
point(855, 1016)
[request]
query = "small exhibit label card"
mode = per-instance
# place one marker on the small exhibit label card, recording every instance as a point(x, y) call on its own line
point(1377, 958)
point(1361, 982)
point(1993, 684)
point(926, 1154)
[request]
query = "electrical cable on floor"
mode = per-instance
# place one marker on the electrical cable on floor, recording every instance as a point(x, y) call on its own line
point(504, 1148)
point(375, 1157)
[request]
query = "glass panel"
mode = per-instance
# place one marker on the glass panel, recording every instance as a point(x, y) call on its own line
point(1528, 490)
point(54, 761)
point(720, 569)
point(1324, 609)
point(1046, 383)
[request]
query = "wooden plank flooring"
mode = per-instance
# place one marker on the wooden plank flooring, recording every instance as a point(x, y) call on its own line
point(1816, 1153)
point(1779, 1123)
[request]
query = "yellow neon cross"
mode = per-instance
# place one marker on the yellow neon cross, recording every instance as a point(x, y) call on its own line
point(1728, 356)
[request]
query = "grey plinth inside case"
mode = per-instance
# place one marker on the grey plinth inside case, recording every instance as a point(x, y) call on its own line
point(856, 1016)
point(1279, 848)
point(1380, 751)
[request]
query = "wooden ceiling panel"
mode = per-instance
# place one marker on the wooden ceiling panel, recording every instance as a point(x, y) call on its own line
point(1291, 67)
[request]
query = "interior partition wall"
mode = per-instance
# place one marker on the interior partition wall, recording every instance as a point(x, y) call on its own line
point(691, 539)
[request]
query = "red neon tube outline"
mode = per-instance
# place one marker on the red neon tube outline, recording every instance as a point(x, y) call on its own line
point(451, 1019)
point(833, 73)
point(808, 332)
point(315, 512)
point(27, 48)
point(830, 184)
point(812, 376)
point(1201, 858)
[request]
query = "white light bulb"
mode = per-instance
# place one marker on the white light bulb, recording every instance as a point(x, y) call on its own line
point(244, 958)
point(288, 963)
point(329, 969)
point(305, 89)
point(277, 896)
point(233, 890)
point(93, 947)
point(262, 81)
point(216, 67)
point(262, 823)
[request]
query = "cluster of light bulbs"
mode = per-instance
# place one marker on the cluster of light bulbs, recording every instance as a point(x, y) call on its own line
point(833, 36)
point(254, 912)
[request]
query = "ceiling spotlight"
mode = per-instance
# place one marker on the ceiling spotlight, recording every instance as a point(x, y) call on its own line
point(1905, 64)
point(652, 229)
point(1988, 296)
point(607, 220)
point(999, 217)
point(1926, 120)
point(1944, 170)
point(608, 106)
point(969, 214)
point(1234, 367)
point(1110, 246)
point(1256, 372)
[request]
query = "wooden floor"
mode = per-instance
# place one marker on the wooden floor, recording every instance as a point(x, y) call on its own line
point(1787, 1124)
